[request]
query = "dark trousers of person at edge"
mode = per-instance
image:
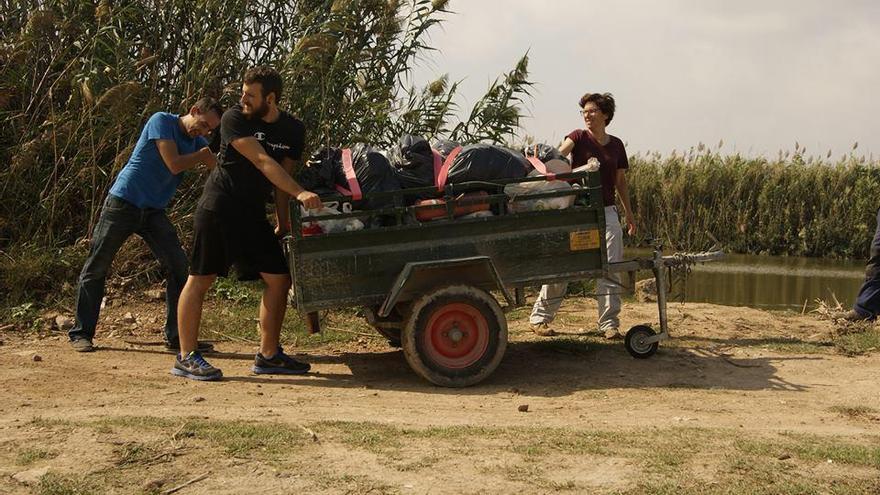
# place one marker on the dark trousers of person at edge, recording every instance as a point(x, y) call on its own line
point(868, 302)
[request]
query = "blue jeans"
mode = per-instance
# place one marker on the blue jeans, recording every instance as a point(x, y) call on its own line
point(118, 221)
point(868, 301)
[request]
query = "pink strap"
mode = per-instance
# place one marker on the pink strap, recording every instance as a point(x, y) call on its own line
point(354, 188)
point(441, 172)
point(438, 165)
point(539, 165)
point(541, 168)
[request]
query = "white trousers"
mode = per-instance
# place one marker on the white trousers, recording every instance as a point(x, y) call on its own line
point(607, 289)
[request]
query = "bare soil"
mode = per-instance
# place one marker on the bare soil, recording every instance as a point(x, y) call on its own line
point(737, 395)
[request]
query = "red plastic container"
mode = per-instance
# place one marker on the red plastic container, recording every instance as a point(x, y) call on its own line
point(426, 214)
point(312, 229)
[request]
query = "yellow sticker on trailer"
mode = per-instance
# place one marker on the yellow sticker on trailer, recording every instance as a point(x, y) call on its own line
point(581, 240)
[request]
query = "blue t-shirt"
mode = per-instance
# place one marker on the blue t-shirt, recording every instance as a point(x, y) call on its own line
point(145, 181)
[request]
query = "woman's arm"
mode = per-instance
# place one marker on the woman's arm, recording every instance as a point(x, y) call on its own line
point(623, 193)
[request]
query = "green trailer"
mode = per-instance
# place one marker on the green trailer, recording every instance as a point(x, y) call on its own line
point(433, 287)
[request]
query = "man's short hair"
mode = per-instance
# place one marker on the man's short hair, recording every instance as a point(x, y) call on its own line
point(268, 78)
point(605, 102)
point(208, 104)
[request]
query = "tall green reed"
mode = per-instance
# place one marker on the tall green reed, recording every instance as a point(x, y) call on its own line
point(79, 78)
point(791, 205)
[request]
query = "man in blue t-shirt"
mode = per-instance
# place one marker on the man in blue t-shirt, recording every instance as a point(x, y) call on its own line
point(168, 145)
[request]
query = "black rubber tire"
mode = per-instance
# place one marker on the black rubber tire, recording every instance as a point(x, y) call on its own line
point(633, 343)
point(414, 337)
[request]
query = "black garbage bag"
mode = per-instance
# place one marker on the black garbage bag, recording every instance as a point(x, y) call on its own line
point(413, 162)
point(319, 174)
point(372, 169)
point(487, 162)
point(544, 152)
point(445, 147)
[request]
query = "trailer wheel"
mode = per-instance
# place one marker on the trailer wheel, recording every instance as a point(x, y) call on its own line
point(635, 342)
point(455, 336)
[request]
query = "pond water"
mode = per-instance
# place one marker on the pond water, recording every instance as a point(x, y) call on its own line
point(769, 282)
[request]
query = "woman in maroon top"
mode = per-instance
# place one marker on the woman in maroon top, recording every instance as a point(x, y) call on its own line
point(583, 144)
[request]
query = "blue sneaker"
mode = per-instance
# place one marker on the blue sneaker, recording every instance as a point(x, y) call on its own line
point(194, 367)
point(279, 364)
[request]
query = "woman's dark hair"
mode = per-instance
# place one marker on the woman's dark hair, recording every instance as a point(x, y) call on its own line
point(605, 102)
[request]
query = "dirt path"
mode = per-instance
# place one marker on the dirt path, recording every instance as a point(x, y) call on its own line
point(735, 371)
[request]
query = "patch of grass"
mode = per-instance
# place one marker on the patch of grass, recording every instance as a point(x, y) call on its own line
point(242, 439)
point(236, 321)
point(858, 343)
point(457, 432)
point(347, 483)
point(372, 437)
point(134, 453)
point(237, 438)
point(332, 322)
point(817, 448)
point(238, 292)
point(240, 321)
point(138, 422)
point(564, 441)
point(29, 456)
point(30, 275)
point(524, 472)
point(794, 346)
point(55, 484)
point(423, 462)
point(560, 486)
point(667, 459)
point(22, 312)
point(50, 424)
point(813, 448)
point(752, 474)
point(855, 412)
point(520, 312)
point(769, 476)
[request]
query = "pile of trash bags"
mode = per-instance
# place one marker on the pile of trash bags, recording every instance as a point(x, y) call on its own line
point(415, 163)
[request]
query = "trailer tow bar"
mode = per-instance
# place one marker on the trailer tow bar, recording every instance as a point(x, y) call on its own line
point(641, 340)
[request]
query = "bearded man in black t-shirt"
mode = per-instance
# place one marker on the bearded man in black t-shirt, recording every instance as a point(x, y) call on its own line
point(260, 145)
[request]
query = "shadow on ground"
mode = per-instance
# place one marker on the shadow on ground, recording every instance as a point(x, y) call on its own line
point(552, 367)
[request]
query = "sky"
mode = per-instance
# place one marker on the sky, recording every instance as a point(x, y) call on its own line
point(759, 75)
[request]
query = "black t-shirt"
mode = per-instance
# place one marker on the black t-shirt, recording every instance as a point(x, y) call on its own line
point(236, 183)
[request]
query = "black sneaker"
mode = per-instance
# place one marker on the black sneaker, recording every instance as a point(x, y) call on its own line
point(280, 364)
point(194, 367)
point(174, 346)
point(82, 345)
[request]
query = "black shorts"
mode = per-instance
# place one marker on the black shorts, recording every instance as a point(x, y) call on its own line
point(223, 240)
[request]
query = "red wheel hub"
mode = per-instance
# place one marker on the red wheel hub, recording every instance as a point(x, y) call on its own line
point(456, 335)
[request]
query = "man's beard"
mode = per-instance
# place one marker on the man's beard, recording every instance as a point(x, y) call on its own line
point(259, 112)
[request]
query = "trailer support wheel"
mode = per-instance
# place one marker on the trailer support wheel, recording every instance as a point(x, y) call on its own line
point(635, 342)
point(455, 336)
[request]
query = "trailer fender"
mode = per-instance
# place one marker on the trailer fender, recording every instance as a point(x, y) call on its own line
point(418, 278)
